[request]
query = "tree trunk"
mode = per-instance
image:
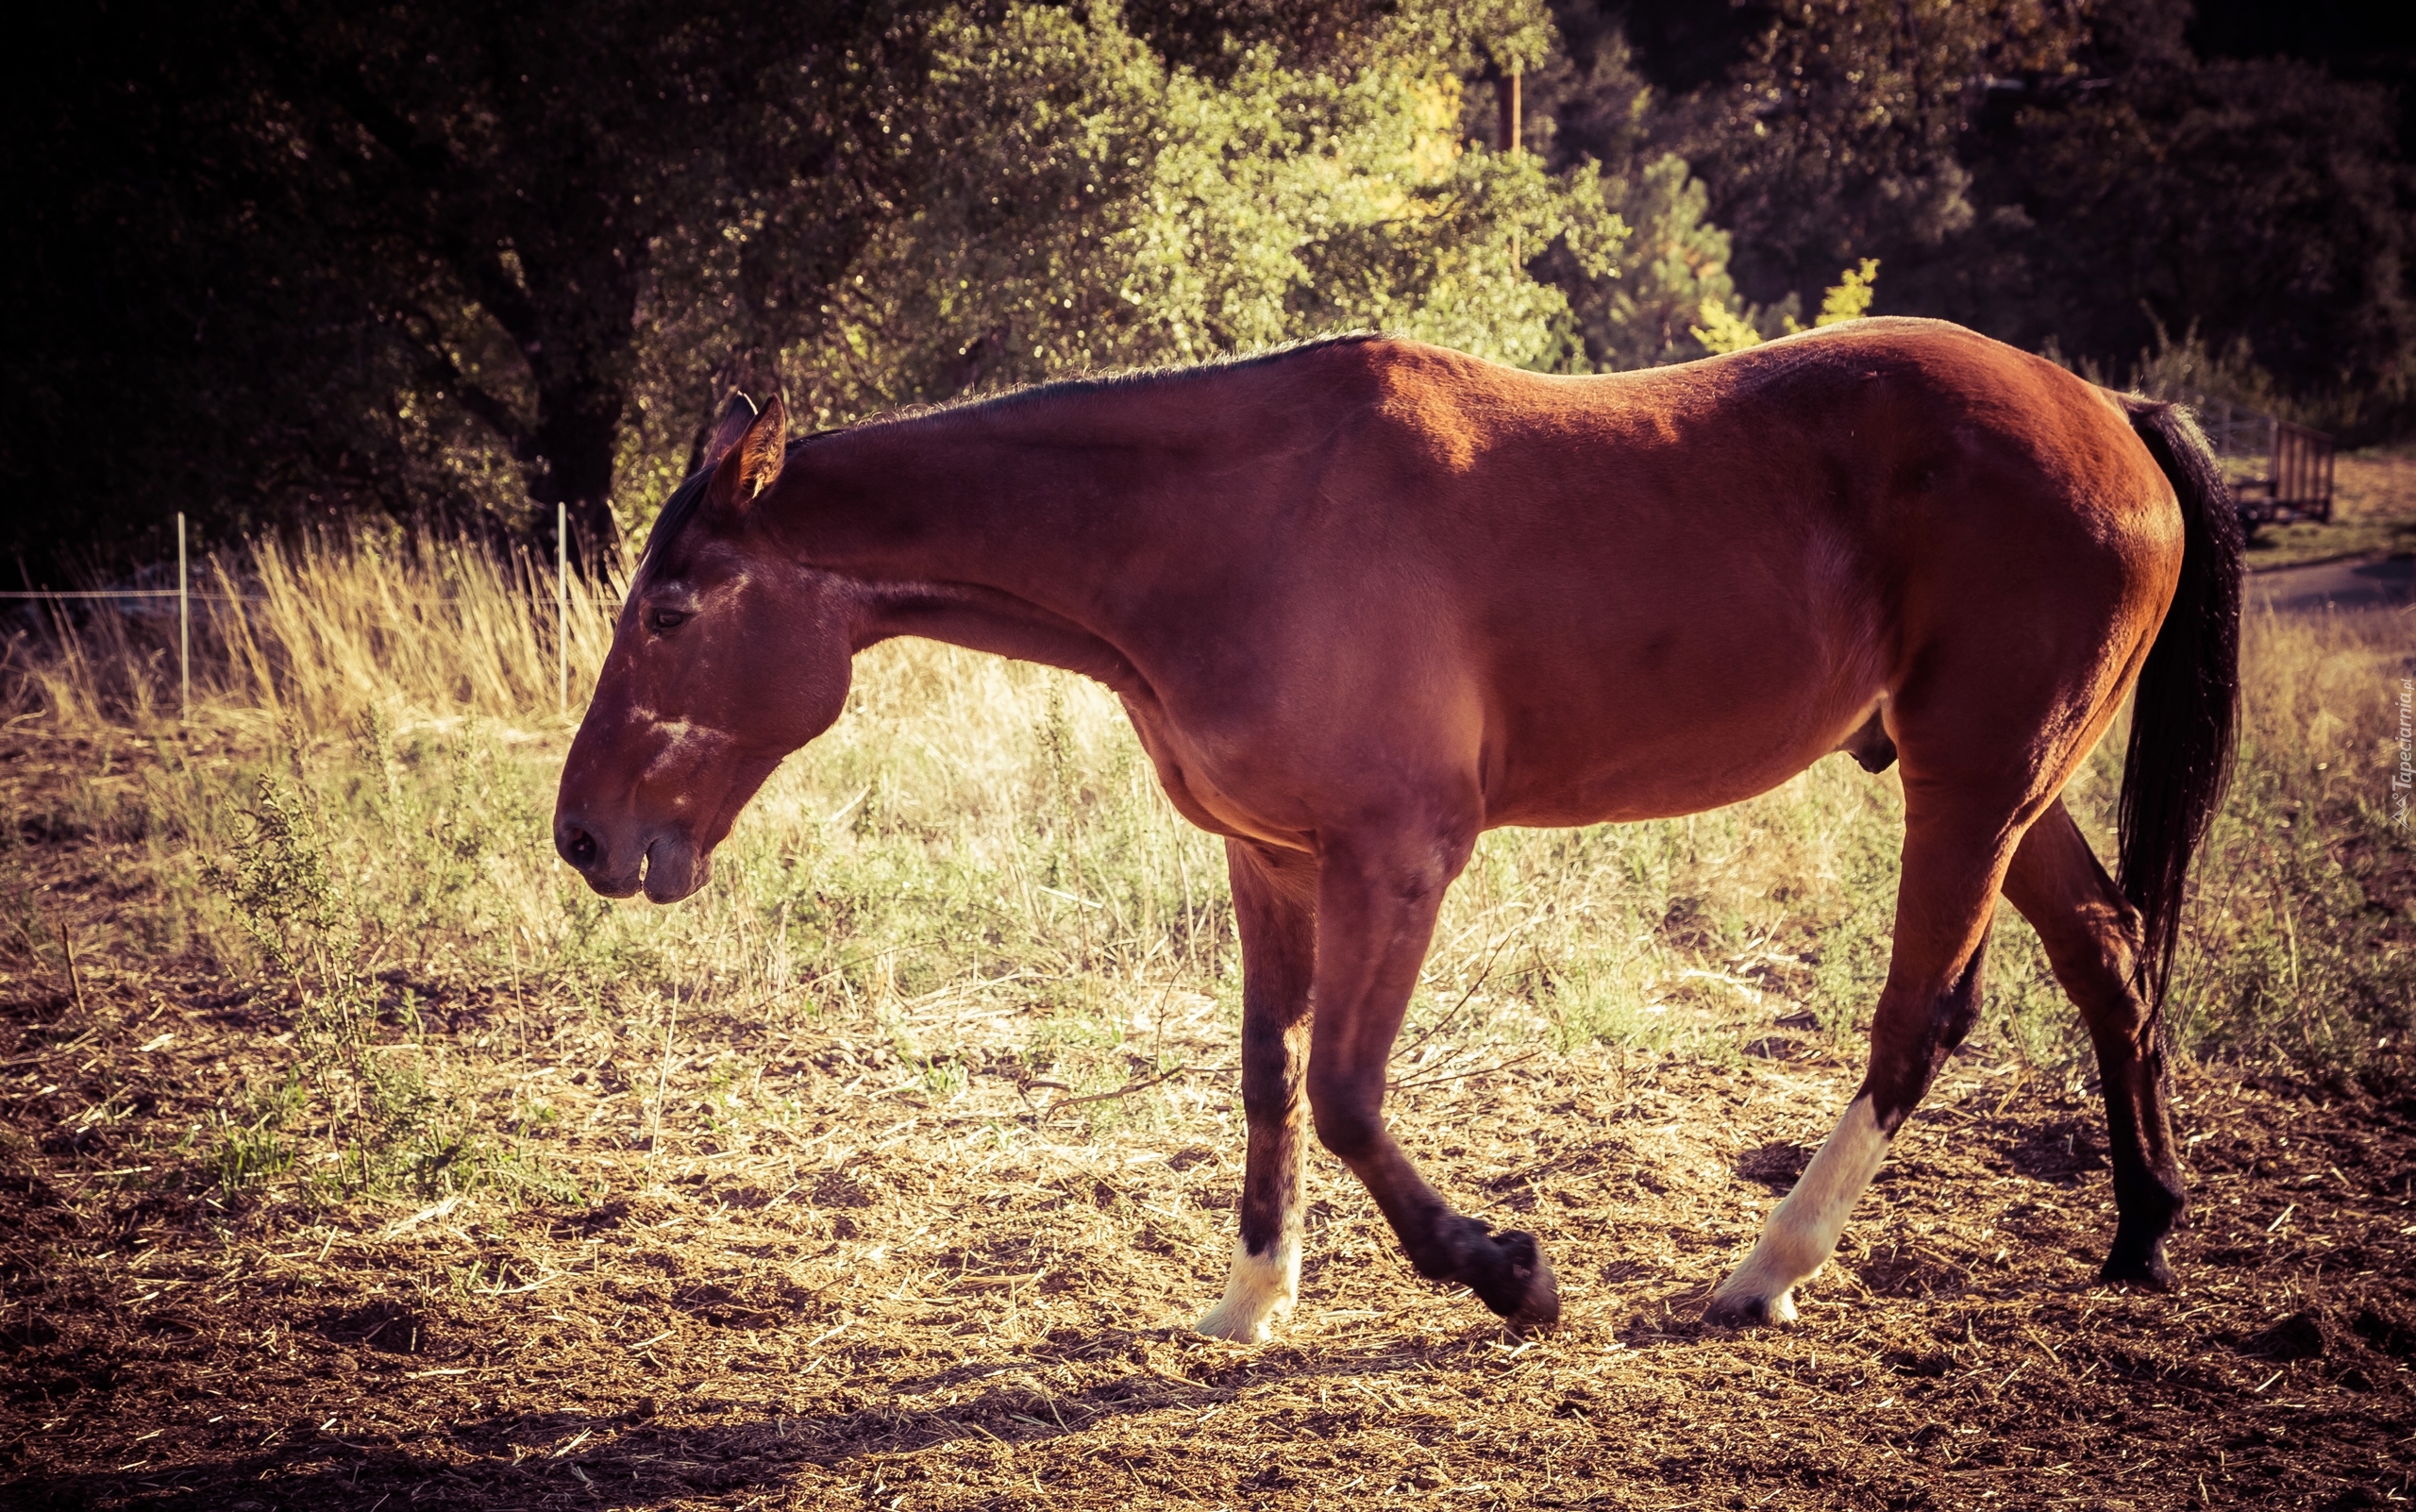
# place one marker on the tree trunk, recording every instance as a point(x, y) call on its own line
point(577, 430)
point(576, 313)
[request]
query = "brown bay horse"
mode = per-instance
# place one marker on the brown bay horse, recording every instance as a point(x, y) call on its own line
point(1364, 599)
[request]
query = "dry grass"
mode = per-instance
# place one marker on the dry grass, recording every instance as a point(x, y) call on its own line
point(352, 1152)
point(317, 634)
point(2376, 483)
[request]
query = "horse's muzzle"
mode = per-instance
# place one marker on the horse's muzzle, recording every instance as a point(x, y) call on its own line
point(664, 864)
point(589, 850)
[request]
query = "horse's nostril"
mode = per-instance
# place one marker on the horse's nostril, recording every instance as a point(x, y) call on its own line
point(577, 848)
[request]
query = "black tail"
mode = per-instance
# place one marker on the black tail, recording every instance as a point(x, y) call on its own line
point(2188, 694)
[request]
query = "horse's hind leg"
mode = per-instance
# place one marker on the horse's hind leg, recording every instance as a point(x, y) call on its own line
point(1956, 845)
point(2092, 933)
point(1275, 904)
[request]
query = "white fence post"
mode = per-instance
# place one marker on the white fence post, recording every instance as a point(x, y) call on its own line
point(561, 607)
point(184, 625)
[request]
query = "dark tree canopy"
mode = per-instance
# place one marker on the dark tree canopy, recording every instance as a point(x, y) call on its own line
point(257, 224)
point(2366, 44)
point(1211, 35)
point(2095, 175)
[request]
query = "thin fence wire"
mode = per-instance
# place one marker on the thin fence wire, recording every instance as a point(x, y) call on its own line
point(565, 602)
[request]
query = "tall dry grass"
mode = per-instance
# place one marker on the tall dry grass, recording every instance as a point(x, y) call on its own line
point(318, 633)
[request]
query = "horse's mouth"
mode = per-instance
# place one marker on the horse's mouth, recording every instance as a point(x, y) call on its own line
point(675, 869)
point(613, 887)
point(668, 869)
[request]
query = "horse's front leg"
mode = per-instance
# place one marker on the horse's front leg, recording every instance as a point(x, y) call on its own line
point(1275, 904)
point(1377, 899)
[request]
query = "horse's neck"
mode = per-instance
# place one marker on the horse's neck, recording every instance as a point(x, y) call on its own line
point(988, 619)
point(1017, 530)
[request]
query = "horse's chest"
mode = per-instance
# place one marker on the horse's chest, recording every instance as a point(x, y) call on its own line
point(1206, 792)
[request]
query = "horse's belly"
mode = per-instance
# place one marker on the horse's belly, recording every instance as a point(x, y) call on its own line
point(1652, 748)
point(1623, 792)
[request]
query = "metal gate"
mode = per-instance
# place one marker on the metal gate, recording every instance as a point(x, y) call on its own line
point(2278, 472)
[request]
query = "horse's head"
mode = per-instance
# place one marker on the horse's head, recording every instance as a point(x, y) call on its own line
point(727, 656)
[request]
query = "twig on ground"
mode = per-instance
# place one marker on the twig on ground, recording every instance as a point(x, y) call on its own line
point(1454, 1075)
point(1483, 972)
point(75, 978)
point(1130, 1087)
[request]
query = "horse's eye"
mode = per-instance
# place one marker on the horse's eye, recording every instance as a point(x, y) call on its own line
point(667, 619)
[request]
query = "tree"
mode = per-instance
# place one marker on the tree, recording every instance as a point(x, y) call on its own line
point(1098, 209)
point(465, 265)
point(2064, 173)
point(1594, 110)
point(475, 203)
point(1839, 135)
point(2255, 203)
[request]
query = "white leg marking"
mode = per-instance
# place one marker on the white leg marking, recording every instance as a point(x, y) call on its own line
point(1261, 1289)
point(1802, 1233)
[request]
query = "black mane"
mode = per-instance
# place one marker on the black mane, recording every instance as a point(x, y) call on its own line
point(676, 510)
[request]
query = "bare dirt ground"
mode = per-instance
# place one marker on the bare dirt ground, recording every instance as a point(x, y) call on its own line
point(890, 1296)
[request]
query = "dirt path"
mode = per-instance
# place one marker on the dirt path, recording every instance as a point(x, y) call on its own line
point(2385, 583)
point(887, 1296)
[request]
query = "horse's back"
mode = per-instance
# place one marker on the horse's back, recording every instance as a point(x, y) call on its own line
point(1674, 588)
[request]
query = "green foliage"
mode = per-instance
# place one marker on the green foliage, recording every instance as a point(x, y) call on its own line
point(1671, 267)
point(2298, 955)
point(250, 1153)
point(291, 901)
point(1727, 331)
point(1723, 330)
point(290, 885)
point(1849, 298)
point(2189, 365)
point(1098, 209)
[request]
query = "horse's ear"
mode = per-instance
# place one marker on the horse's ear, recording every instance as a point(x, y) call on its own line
point(736, 417)
point(752, 463)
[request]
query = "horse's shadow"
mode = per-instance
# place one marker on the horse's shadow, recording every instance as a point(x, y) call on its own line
point(516, 1459)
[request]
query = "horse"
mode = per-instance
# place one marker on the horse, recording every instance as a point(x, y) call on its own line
point(1364, 599)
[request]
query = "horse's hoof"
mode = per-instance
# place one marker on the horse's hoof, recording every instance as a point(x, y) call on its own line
point(2146, 1268)
point(1519, 1285)
point(1236, 1328)
point(1746, 1310)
